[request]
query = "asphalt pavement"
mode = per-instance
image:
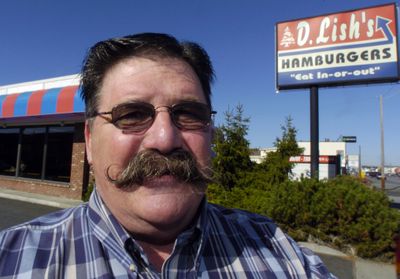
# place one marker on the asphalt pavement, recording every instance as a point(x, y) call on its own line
point(392, 184)
point(392, 188)
point(13, 212)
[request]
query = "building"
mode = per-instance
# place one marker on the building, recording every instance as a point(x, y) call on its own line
point(353, 164)
point(332, 161)
point(257, 155)
point(42, 147)
point(327, 148)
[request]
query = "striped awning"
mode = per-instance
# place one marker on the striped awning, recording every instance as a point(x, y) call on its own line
point(55, 101)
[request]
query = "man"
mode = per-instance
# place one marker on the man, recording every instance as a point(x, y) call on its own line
point(148, 139)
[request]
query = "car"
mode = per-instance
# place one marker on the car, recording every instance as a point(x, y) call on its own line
point(372, 173)
point(379, 176)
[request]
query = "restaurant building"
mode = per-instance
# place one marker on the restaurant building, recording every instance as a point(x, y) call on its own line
point(333, 159)
point(42, 148)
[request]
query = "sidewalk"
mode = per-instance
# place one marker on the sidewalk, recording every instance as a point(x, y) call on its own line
point(349, 267)
point(38, 199)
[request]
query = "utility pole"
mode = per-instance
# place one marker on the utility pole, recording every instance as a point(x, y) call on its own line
point(359, 162)
point(382, 145)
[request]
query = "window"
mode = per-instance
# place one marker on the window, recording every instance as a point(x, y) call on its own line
point(30, 165)
point(8, 150)
point(41, 152)
point(59, 153)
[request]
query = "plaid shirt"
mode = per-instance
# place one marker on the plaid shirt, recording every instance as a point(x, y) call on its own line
point(88, 242)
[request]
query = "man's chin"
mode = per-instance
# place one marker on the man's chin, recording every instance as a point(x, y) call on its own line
point(166, 208)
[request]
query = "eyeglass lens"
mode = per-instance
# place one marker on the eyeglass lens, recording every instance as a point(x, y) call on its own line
point(138, 116)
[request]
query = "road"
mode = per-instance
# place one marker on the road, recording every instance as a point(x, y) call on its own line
point(392, 184)
point(392, 187)
point(13, 212)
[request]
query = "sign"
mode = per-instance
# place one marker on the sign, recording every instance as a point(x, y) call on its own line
point(328, 167)
point(323, 159)
point(349, 139)
point(350, 47)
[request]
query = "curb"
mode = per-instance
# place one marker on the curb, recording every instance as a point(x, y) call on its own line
point(38, 199)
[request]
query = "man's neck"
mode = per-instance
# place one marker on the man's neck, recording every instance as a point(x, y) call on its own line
point(157, 254)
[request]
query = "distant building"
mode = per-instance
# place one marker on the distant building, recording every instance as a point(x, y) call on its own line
point(353, 164)
point(333, 159)
point(257, 155)
point(327, 148)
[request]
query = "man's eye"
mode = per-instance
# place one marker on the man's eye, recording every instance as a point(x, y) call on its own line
point(186, 116)
point(134, 115)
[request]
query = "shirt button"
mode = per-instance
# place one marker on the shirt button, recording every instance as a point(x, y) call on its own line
point(132, 268)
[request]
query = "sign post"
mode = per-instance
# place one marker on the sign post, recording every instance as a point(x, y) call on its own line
point(314, 132)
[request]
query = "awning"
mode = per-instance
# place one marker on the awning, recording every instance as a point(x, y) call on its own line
point(55, 101)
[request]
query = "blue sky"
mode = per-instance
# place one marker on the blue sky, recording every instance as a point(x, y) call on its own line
point(44, 38)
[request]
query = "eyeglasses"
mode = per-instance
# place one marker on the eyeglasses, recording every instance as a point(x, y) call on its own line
point(139, 116)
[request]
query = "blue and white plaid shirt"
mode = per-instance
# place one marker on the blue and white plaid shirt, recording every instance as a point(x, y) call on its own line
point(88, 242)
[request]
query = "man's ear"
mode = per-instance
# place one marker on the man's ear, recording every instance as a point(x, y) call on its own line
point(88, 141)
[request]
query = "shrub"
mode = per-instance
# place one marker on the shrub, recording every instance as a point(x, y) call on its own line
point(352, 213)
point(89, 190)
point(250, 199)
point(291, 201)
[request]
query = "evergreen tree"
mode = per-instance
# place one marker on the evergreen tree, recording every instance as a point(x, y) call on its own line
point(231, 149)
point(277, 163)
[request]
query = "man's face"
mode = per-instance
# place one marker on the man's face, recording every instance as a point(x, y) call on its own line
point(162, 201)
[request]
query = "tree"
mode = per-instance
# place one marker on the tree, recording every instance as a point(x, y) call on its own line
point(231, 148)
point(277, 163)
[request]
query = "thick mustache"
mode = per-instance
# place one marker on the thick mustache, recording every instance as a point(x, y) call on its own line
point(149, 164)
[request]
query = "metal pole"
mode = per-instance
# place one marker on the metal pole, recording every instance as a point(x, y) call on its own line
point(359, 162)
point(19, 152)
point(314, 132)
point(44, 154)
point(382, 145)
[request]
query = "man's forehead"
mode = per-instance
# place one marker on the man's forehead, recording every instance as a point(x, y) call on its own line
point(142, 65)
point(142, 75)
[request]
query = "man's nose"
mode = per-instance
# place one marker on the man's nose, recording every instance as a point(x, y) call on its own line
point(163, 135)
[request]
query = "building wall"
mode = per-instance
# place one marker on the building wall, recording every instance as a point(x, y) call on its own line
point(71, 190)
point(327, 148)
point(261, 154)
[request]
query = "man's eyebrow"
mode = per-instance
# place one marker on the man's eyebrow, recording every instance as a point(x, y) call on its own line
point(189, 99)
point(173, 102)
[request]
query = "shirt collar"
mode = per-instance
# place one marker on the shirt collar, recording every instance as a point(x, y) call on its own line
point(198, 228)
point(104, 222)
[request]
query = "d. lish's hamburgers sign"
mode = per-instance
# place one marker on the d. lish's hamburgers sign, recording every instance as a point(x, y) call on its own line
point(357, 46)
